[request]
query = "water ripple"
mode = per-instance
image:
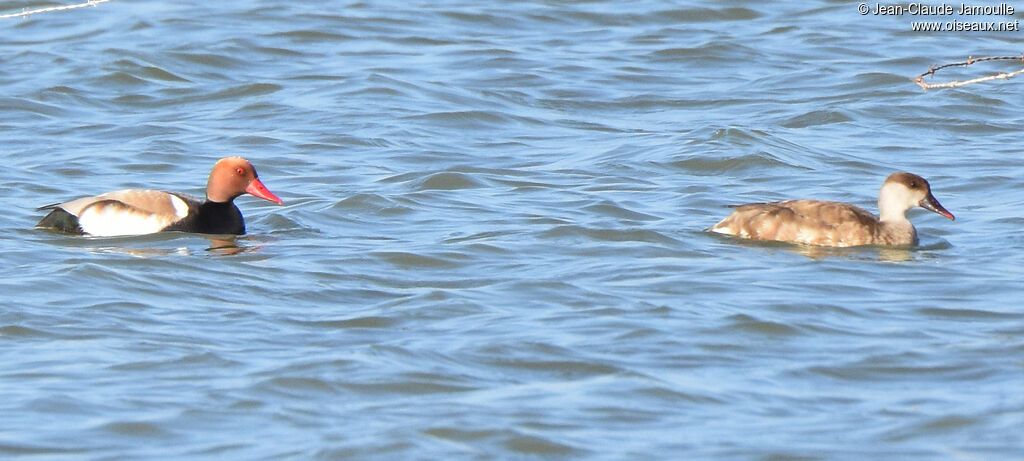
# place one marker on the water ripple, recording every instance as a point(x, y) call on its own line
point(492, 241)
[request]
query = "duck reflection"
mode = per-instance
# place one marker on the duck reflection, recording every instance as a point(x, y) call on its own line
point(149, 246)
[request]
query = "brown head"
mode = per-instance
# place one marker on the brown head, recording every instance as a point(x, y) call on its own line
point(903, 190)
point(234, 176)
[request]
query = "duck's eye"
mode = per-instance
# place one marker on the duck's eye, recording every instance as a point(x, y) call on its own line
point(240, 171)
point(913, 184)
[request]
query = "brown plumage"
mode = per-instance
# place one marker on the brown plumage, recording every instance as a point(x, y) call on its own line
point(836, 224)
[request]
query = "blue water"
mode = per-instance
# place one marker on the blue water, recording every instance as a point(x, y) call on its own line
point(491, 245)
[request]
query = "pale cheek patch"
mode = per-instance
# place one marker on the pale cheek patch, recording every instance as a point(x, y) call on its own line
point(108, 220)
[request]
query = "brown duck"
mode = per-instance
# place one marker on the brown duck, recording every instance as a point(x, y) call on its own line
point(835, 224)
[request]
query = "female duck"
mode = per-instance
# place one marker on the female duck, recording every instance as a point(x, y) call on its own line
point(836, 224)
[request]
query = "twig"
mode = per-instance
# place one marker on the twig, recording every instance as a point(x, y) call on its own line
point(919, 80)
point(52, 8)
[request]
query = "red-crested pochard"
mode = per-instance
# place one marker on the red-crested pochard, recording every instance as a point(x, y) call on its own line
point(836, 224)
point(143, 211)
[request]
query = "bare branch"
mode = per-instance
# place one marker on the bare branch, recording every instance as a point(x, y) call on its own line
point(919, 80)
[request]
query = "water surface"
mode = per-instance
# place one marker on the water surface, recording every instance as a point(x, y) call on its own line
point(492, 241)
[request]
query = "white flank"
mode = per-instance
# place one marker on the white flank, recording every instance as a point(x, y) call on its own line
point(105, 221)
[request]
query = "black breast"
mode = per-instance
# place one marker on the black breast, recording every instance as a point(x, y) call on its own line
point(211, 218)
